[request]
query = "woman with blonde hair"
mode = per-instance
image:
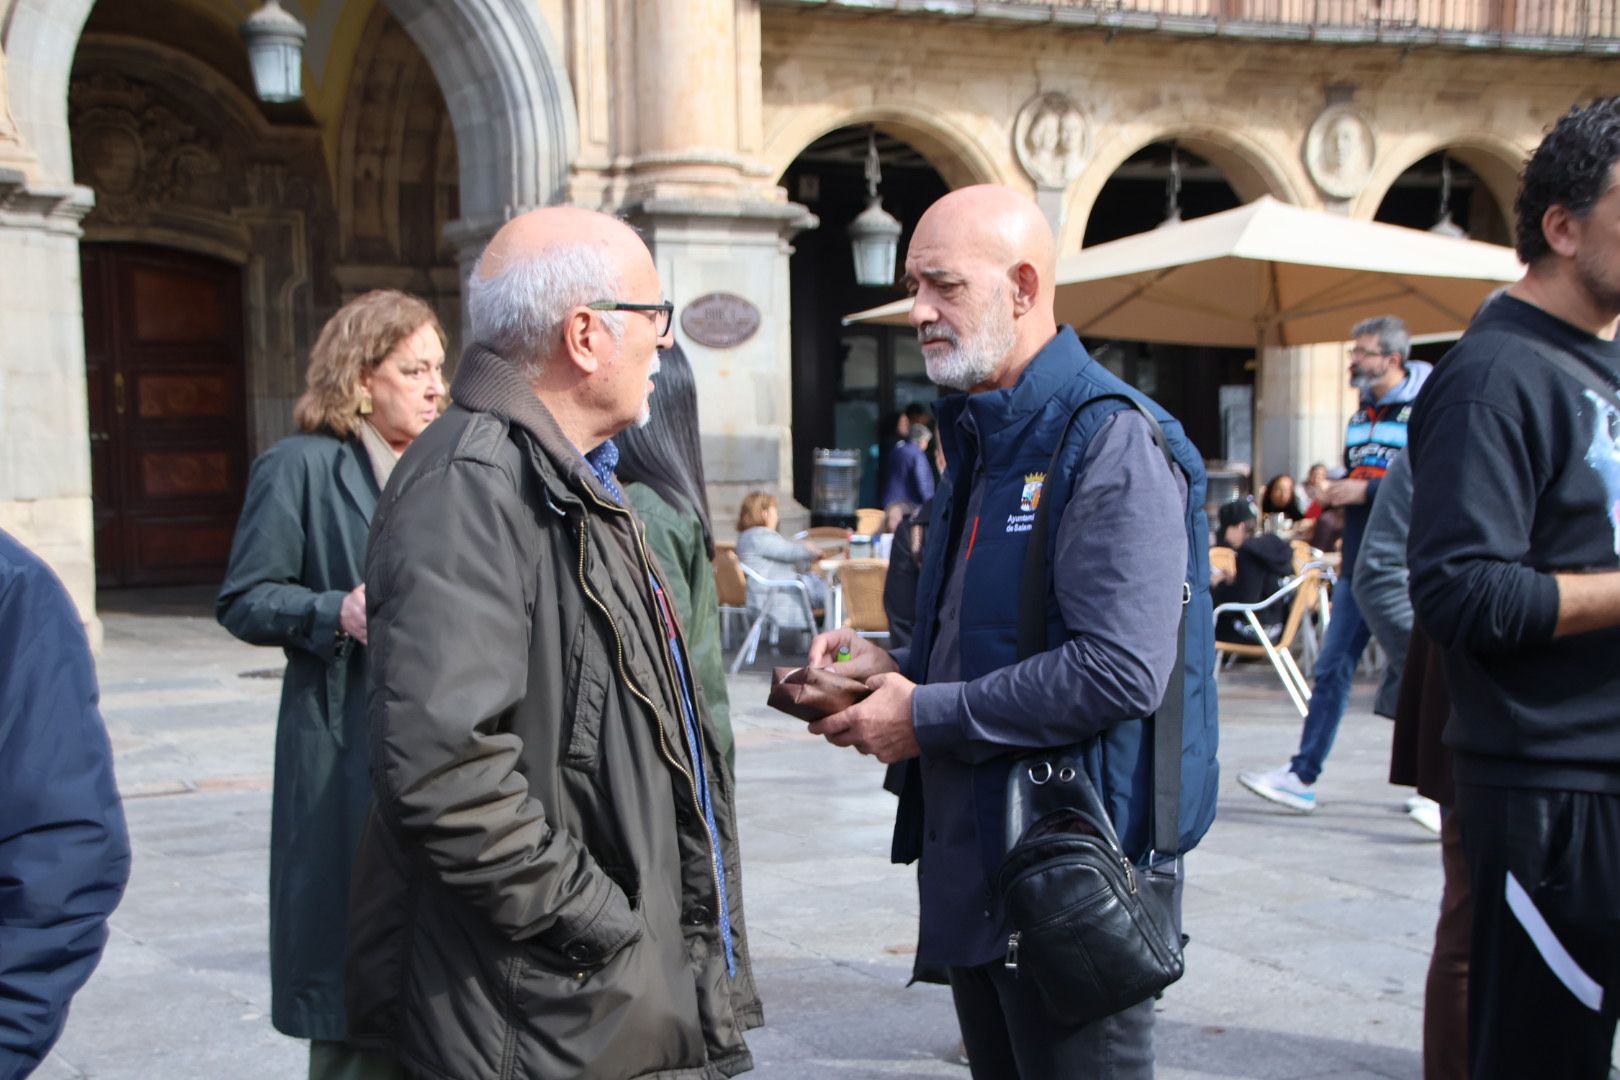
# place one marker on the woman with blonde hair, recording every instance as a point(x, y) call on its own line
point(375, 382)
point(760, 547)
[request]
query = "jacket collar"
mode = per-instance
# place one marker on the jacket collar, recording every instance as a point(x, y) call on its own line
point(354, 476)
point(486, 382)
point(1000, 417)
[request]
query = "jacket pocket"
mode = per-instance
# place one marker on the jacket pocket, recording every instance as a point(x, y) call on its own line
point(587, 677)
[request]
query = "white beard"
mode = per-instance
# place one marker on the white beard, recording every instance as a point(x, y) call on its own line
point(972, 362)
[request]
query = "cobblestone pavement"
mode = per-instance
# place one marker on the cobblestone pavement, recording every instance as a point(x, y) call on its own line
point(1310, 934)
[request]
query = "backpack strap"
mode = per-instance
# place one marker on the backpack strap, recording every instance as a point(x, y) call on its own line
point(1034, 588)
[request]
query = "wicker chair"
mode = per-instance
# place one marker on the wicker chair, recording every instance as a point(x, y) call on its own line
point(730, 588)
point(862, 583)
point(868, 521)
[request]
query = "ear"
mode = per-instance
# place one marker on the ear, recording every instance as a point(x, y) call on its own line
point(1562, 230)
point(1026, 284)
point(582, 338)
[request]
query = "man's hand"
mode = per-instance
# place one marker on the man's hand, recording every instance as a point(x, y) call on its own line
point(865, 659)
point(352, 615)
point(1344, 493)
point(880, 725)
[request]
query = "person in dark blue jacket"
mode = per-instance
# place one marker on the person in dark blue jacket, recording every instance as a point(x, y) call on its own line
point(1127, 553)
point(64, 853)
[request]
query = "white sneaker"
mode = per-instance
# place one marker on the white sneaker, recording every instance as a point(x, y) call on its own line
point(1426, 812)
point(1282, 787)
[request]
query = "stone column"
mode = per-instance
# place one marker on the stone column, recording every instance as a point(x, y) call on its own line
point(44, 419)
point(1302, 401)
point(716, 222)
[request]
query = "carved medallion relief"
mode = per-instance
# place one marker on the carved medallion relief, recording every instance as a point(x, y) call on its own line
point(1051, 140)
point(1339, 151)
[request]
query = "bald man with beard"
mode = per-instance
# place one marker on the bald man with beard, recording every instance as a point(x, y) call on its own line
point(1127, 548)
point(549, 884)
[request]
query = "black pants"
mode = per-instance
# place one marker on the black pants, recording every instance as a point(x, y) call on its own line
point(1009, 1035)
point(1544, 965)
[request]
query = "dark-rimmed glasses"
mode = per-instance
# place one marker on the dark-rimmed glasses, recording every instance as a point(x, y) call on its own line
point(663, 313)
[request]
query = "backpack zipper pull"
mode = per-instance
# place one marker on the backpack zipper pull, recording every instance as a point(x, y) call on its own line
point(1011, 963)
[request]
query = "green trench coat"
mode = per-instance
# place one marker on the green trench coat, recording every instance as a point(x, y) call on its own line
point(676, 538)
point(300, 547)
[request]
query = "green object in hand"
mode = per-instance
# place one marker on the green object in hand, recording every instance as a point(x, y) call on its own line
point(843, 654)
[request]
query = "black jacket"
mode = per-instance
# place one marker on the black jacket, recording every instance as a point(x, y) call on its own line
point(534, 895)
point(1516, 477)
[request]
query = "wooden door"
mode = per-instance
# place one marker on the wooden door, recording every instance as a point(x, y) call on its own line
point(168, 430)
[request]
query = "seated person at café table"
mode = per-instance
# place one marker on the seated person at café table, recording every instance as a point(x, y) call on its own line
point(1264, 562)
point(764, 550)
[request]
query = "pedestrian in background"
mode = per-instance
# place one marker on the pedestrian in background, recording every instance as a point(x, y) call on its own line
point(1381, 368)
point(661, 468)
point(64, 851)
point(375, 382)
point(1515, 563)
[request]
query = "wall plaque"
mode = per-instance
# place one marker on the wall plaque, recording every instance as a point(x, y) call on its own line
point(720, 320)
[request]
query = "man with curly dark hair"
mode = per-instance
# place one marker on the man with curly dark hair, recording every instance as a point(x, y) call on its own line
point(1515, 573)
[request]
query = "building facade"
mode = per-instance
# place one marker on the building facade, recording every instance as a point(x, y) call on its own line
point(170, 245)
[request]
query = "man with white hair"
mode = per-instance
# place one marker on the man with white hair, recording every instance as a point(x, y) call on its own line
point(549, 884)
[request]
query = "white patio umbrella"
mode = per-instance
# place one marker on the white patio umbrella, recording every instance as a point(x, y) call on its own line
point(1267, 274)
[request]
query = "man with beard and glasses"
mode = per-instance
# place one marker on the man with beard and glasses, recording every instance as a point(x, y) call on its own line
point(1126, 552)
point(1381, 368)
point(1515, 569)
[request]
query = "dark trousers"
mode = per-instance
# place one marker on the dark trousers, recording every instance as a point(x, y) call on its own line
point(1544, 969)
point(1009, 1035)
point(1445, 996)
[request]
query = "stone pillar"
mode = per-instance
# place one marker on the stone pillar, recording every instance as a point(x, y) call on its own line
point(745, 401)
point(44, 419)
point(716, 222)
point(1302, 401)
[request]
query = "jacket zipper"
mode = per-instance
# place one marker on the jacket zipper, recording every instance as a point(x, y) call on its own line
point(663, 741)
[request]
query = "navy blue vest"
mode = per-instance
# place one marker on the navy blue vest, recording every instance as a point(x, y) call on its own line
point(1020, 429)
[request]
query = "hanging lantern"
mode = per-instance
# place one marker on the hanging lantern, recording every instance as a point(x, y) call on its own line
point(1443, 225)
point(875, 233)
point(275, 44)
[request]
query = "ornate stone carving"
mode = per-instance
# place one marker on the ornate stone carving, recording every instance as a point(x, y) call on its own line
point(1051, 140)
point(137, 153)
point(1339, 151)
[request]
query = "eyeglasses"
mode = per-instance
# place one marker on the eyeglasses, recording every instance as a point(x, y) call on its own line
point(663, 314)
point(1360, 354)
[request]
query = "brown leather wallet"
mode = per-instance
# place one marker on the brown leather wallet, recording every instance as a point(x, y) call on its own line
point(810, 693)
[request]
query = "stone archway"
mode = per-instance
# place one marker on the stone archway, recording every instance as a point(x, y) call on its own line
point(957, 156)
point(1246, 164)
point(510, 102)
point(1495, 161)
point(513, 112)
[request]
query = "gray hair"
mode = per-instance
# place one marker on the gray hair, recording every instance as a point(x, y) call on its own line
point(518, 311)
point(1391, 332)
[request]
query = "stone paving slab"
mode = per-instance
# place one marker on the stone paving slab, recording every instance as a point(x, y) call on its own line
point(1310, 934)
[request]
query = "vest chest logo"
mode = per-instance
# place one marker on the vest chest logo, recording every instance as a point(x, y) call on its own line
point(1031, 496)
point(1028, 499)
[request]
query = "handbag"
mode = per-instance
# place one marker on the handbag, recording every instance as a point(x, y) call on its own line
point(1095, 932)
point(809, 693)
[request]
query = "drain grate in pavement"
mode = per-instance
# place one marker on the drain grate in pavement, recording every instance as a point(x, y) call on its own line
point(263, 673)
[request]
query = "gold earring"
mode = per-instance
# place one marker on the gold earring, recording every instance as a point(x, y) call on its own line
point(365, 404)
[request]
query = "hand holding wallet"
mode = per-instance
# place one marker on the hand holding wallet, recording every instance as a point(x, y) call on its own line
point(809, 694)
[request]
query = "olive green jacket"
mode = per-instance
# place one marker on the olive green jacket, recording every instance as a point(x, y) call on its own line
point(299, 548)
point(534, 895)
point(675, 535)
